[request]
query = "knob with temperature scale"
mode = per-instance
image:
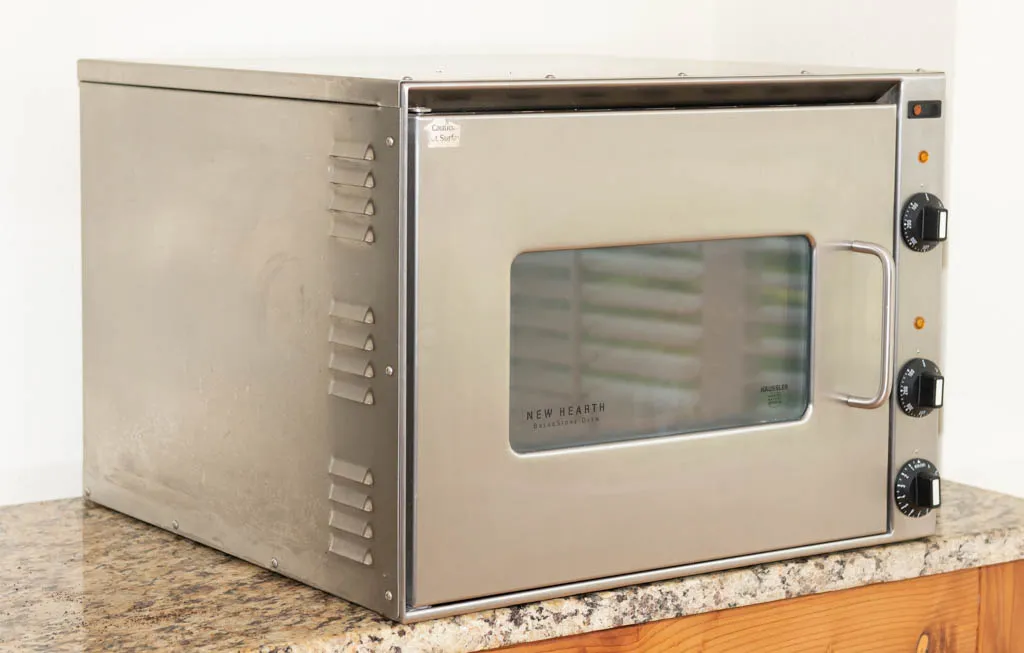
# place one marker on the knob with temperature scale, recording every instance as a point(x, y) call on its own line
point(923, 222)
point(920, 387)
point(918, 488)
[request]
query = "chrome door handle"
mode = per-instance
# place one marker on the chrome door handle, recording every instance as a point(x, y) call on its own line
point(888, 323)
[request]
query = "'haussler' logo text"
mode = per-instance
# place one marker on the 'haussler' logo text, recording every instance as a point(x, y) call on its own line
point(775, 393)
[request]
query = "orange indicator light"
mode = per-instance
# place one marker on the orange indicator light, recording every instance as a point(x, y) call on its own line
point(922, 156)
point(919, 322)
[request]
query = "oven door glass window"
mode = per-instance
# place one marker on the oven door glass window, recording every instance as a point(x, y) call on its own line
point(621, 343)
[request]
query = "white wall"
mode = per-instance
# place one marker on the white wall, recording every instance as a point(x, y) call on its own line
point(985, 342)
point(40, 351)
point(905, 34)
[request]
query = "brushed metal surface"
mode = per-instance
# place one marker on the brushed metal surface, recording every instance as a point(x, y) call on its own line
point(922, 286)
point(227, 369)
point(527, 521)
point(888, 325)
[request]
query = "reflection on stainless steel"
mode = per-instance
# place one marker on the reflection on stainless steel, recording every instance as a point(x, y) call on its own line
point(620, 343)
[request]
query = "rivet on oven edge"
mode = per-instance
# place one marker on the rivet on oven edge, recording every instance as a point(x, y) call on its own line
point(274, 563)
point(388, 595)
point(549, 76)
point(389, 141)
point(680, 74)
point(390, 371)
point(805, 72)
point(88, 492)
point(174, 524)
point(407, 79)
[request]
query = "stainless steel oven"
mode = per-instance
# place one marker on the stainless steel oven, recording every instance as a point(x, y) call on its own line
point(442, 337)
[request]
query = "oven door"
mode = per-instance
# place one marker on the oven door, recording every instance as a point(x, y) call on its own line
point(642, 339)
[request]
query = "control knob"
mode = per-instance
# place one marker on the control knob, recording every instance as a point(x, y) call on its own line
point(918, 488)
point(920, 387)
point(923, 222)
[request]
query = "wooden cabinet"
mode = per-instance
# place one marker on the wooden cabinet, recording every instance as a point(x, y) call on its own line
point(964, 611)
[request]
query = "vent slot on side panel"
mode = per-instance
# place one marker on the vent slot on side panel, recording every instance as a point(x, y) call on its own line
point(350, 199)
point(352, 312)
point(352, 228)
point(351, 471)
point(352, 550)
point(348, 172)
point(357, 363)
point(358, 526)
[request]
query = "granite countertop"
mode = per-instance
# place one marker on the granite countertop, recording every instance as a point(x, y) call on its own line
point(77, 577)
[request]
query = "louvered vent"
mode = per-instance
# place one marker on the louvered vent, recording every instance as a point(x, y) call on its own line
point(351, 332)
point(351, 358)
point(351, 511)
point(351, 201)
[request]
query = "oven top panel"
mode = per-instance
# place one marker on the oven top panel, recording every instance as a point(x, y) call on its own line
point(380, 80)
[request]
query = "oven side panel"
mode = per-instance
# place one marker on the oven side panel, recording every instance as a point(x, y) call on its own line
point(240, 317)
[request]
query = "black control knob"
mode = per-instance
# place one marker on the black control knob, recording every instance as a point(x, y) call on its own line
point(923, 223)
point(918, 488)
point(920, 387)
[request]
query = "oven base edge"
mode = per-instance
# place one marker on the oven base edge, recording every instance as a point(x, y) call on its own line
point(425, 613)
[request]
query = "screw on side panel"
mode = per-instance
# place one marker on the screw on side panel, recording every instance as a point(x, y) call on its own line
point(389, 141)
point(390, 371)
point(174, 524)
point(274, 563)
point(88, 492)
point(388, 595)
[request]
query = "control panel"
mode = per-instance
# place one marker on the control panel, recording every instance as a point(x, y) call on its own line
point(921, 229)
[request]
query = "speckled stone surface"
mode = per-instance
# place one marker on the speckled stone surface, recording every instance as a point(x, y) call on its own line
point(78, 577)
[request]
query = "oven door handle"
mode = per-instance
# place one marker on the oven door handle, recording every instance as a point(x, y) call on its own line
point(888, 324)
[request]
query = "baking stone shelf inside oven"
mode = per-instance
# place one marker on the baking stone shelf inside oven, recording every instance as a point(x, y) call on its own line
point(568, 95)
